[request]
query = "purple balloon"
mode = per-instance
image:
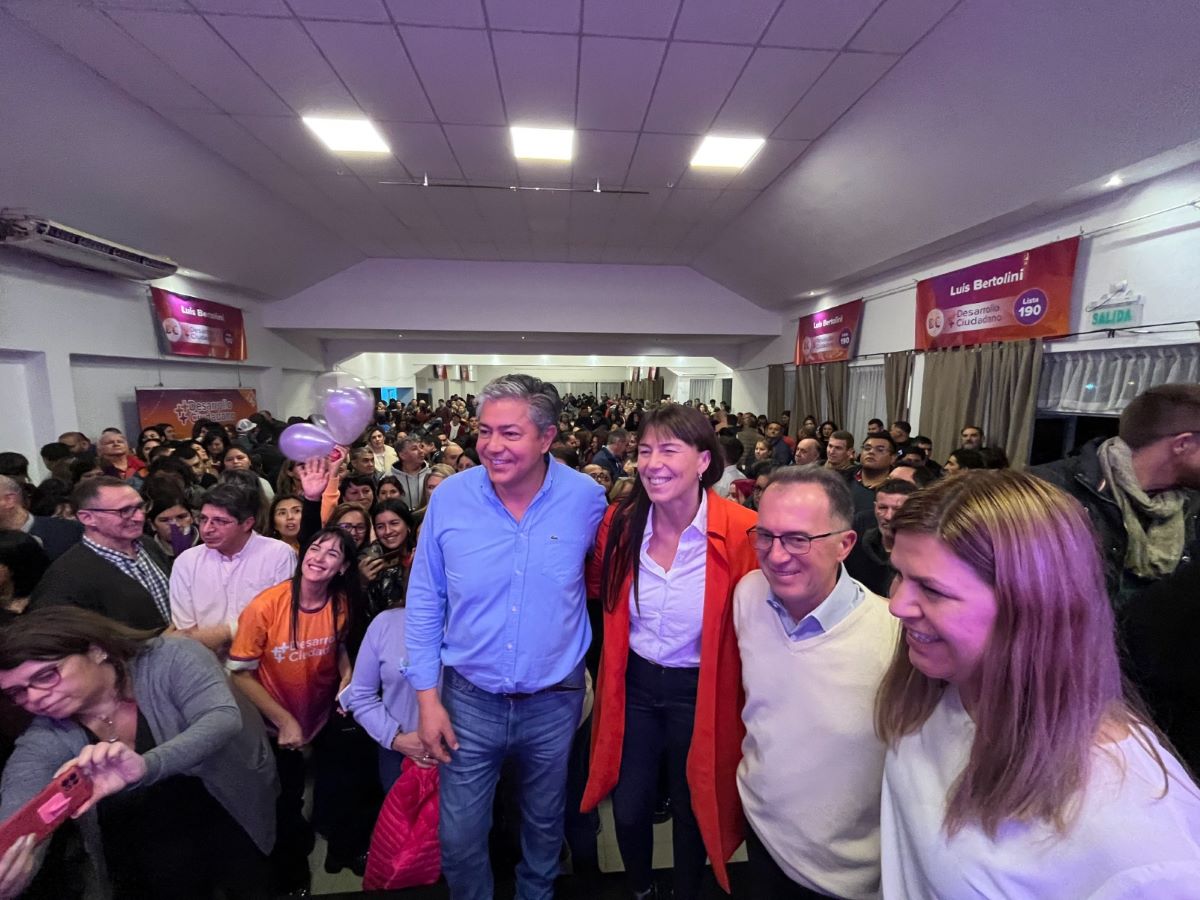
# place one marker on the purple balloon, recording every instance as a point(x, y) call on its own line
point(302, 442)
point(347, 412)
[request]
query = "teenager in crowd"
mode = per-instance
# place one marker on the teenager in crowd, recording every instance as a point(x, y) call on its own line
point(962, 459)
point(1017, 765)
point(170, 529)
point(154, 714)
point(285, 519)
point(289, 657)
point(666, 562)
point(389, 489)
point(380, 697)
point(385, 563)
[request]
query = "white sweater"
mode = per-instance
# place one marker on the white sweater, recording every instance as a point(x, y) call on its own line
point(1127, 842)
point(811, 766)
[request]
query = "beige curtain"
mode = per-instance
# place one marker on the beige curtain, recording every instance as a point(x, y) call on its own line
point(836, 377)
point(897, 374)
point(993, 386)
point(807, 400)
point(775, 392)
point(1011, 399)
point(645, 389)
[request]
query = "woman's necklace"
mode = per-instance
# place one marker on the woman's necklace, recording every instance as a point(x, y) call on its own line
point(110, 722)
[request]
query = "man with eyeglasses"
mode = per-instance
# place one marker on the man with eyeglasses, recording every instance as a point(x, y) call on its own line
point(214, 581)
point(814, 644)
point(108, 572)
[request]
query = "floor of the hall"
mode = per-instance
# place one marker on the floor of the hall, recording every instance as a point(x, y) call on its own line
point(609, 884)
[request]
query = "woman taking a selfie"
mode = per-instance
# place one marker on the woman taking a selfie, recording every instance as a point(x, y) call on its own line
point(130, 709)
point(1017, 766)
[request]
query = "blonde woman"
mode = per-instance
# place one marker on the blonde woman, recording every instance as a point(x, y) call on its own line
point(1016, 765)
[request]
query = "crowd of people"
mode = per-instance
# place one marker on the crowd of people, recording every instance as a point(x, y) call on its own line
point(885, 675)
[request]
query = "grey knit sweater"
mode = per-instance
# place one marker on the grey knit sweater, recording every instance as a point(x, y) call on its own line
point(201, 727)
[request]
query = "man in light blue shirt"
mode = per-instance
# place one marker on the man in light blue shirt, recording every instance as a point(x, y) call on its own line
point(497, 596)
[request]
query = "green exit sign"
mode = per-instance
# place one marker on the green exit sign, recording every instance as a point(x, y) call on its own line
point(1121, 315)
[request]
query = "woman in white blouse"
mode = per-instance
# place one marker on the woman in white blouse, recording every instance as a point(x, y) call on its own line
point(1017, 766)
point(385, 456)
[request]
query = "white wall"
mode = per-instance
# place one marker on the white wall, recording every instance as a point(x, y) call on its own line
point(84, 341)
point(1159, 256)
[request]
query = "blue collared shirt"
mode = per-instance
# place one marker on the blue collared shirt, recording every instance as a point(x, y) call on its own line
point(503, 602)
point(842, 600)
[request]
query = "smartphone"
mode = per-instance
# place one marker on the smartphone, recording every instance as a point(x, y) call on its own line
point(49, 809)
point(392, 557)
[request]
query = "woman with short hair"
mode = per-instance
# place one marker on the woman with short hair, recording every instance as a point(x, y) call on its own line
point(1017, 764)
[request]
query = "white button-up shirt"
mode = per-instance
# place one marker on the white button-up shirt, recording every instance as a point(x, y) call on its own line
point(668, 616)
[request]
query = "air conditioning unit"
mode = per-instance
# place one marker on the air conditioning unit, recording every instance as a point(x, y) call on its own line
point(78, 248)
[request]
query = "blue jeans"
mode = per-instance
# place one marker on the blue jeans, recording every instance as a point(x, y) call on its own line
point(536, 733)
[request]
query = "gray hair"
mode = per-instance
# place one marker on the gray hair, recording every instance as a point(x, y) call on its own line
point(545, 406)
point(837, 491)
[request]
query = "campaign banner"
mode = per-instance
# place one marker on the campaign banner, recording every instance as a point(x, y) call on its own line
point(183, 408)
point(1025, 295)
point(192, 327)
point(828, 335)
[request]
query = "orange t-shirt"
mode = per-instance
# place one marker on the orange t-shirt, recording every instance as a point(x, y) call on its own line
point(303, 676)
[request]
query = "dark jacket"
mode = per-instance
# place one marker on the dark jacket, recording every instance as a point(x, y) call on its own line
point(870, 564)
point(605, 457)
point(82, 578)
point(1081, 477)
point(1161, 632)
point(57, 535)
point(781, 452)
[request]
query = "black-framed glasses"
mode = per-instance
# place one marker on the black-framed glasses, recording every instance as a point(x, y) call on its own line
point(43, 680)
point(793, 543)
point(124, 512)
point(216, 521)
point(352, 528)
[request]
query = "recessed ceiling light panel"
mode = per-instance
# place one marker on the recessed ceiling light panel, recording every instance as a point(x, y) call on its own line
point(347, 135)
point(543, 143)
point(726, 152)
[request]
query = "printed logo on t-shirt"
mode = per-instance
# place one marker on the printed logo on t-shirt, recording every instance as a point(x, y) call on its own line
point(318, 646)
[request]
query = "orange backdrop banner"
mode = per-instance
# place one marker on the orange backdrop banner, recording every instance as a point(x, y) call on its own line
point(183, 409)
point(1025, 295)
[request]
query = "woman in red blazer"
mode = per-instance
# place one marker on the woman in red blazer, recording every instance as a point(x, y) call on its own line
point(666, 562)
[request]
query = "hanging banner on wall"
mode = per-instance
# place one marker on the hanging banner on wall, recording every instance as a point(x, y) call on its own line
point(192, 327)
point(1025, 295)
point(828, 335)
point(183, 408)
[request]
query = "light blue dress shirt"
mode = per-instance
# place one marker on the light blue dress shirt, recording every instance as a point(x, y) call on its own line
point(503, 602)
point(842, 600)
